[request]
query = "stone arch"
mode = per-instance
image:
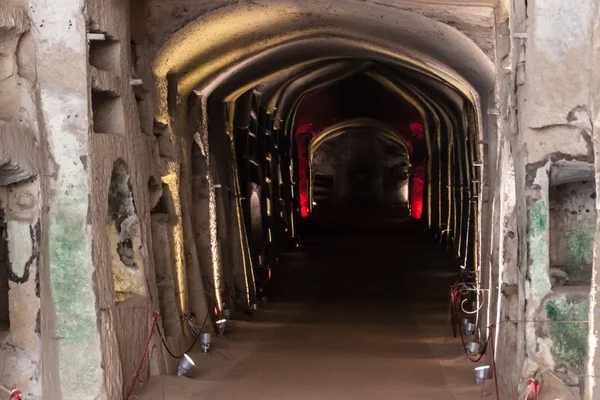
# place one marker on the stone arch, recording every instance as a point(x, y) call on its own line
point(271, 33)
point(375, 128)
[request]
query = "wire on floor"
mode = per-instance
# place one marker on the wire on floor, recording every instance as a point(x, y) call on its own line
point(162, 338)
point(223, 355)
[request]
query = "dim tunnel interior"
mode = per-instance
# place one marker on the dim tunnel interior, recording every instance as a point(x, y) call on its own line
point(330, 160)
point(299, 199)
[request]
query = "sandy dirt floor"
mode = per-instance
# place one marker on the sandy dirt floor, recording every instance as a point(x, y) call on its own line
point(359, 312)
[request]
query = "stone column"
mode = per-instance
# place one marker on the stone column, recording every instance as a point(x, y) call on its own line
point(20, 353)
point(72, 364)
point(554, 134)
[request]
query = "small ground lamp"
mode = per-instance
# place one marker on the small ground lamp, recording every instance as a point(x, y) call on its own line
point(205, 341)
point(482, 373)
point(470, 329)
point(221, 325)
point(473, 348)
point(262, 296)
point(185, 365)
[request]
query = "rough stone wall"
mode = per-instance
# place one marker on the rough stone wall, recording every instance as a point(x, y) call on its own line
point(20, 355)
point(68, 322)
point(552, 43)
point(92, 110)
point(88, 116)
point(124, 261)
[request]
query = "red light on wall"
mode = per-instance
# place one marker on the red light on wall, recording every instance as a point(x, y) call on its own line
point(416, 130)
point(416, 197)
point(304, 134)
point(304, 211)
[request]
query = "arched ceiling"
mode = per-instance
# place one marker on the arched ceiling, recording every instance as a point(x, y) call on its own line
point(375, 127)
point(263, 41)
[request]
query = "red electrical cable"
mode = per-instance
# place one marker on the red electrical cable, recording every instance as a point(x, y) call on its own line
point(137, 374)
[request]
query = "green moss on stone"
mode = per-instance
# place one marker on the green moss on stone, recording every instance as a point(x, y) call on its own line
point(580, 250)
point(71, 279)
point(538, 218)
point(570, 339)
point(538, 250)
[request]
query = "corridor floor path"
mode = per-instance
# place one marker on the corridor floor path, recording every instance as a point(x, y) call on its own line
point(360, 312)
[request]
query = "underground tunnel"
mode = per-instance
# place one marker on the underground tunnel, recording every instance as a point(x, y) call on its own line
point(294, 199)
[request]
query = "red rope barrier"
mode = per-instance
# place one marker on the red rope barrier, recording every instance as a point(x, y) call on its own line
point(15, 394)
point(533, 388)
point(137, 374)
point(491, 340)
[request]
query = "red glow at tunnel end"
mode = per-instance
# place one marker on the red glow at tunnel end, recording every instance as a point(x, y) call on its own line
point(416, 129)
point(304, 133)
point(416, 200)
point(304, 211)
point(416, 192)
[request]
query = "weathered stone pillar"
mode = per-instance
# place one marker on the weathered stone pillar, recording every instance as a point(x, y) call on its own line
point(72, 364)
point(20, 353)
point(555, 139)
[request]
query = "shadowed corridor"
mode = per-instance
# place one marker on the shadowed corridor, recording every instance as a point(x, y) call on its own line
point(358, 312)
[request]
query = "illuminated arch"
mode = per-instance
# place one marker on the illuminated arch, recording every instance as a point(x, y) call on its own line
point(378, 128)
point(220, 43)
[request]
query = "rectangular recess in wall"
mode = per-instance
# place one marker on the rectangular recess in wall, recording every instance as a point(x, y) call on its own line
point(571, 229)
point(108, 114)
point(105, 55)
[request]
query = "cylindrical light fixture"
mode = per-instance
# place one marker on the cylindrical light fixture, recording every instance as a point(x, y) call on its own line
point(473, 348)
point(185, 365)
point(221, 326)
point(470, 329)
point(205, 341)
point(482, 373)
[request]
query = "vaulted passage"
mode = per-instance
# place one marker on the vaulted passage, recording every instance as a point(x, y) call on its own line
point(347, 198)
point(322, 165)
point(359, 312)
